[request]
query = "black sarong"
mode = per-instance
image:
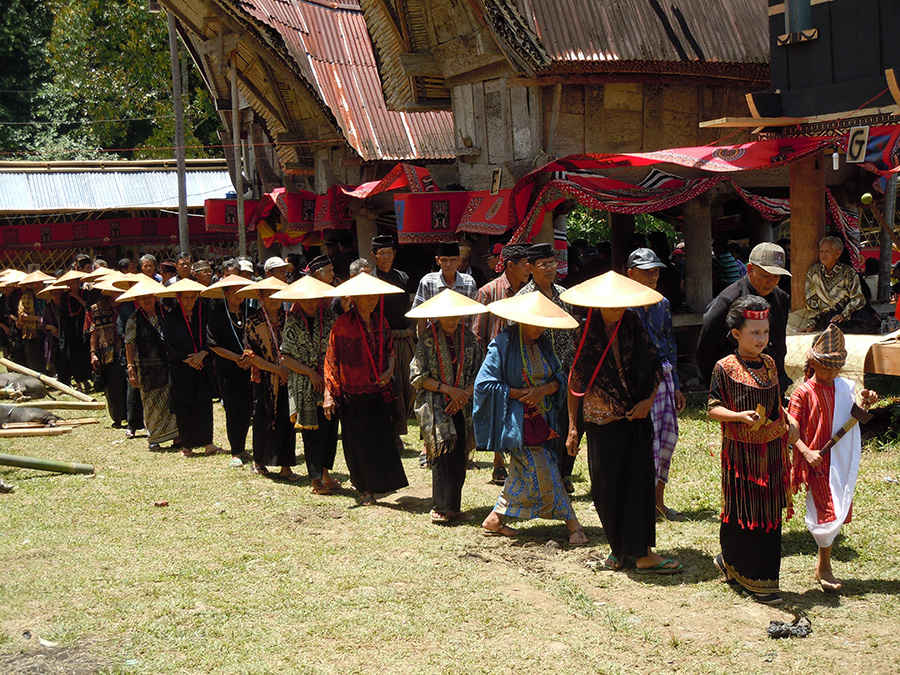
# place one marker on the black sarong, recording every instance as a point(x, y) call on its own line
point(369, 448)
point(237, 397)
point(448, 472)
point(320, 445)
point(623, 484)
point(274, 439)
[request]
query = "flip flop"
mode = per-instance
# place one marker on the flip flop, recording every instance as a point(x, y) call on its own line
point(615, 566)
point(670, 514)
point(440, 518)
point(332, 484)
point(573, 533)
point(660, 568)
point(320, 488)
point(502, 531)
point(260, 471)
point(236, 462)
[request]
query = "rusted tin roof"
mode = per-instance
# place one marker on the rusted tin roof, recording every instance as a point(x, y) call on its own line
point(723, 31)
point(333, 49)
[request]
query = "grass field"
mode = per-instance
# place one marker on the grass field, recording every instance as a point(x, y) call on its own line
point(240, 574)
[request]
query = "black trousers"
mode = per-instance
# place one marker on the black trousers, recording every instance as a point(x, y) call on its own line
point(448, 473)
point(320, 445)
point(237, 397)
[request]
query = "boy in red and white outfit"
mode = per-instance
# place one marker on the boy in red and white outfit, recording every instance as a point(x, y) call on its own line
point(821, 406)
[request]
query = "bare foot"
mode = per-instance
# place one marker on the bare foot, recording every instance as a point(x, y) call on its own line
point(828, 582)
point(577, 537)
point(494, 526)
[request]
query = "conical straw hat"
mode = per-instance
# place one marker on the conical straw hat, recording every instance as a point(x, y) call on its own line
point(305, 288)
point(267, 284)
point(107, 288)
point(11, 278)
point(231, 281)
point(611, 290)
point(97, 274)
point(180, 286)
point(45, 292)
point(127, 280)
point(71, 275)
point(145, 286)
point(364, 284)
point(533, 309)
point(447, 303)
point(36, 277)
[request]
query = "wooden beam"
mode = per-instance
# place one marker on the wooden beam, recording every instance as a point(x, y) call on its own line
point(807, 221)
point(419, 64)
point(891, 78)
point(750, 122)
point(751, 104)
point(289, 137)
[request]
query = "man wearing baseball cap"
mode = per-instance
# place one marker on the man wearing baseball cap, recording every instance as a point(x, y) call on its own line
point(643, 265)
point(276, 267)
point(764, 270)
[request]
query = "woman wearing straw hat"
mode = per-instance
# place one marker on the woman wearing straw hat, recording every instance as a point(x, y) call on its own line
point(55, 361)
point(147, 362)
point(74, 311)
point(303, 346)
point(443, 373)
point(190, 372)
point(106, 348)
point(358, 369)
point(30, 316)
point(615, 376)
point(225, 337)
point(274, 440)
point(519, 391)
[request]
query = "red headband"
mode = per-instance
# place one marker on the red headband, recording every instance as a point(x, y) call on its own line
point(757, 316)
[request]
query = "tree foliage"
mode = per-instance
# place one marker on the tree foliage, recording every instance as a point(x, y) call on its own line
point(107, 88)
point(593, 225)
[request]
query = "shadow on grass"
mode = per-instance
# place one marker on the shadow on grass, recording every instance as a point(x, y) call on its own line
point(801, 542)
point(409, 504)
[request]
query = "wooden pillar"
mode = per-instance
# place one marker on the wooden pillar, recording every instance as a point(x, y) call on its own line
point(698, 252)
point(807, 222)
point(366, 229)
point(545, 235)
point(621, 229)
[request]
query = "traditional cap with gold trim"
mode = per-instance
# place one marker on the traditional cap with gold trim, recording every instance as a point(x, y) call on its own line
point(829, 349)
point(610, 290)
point(231, 281)
point(533, 309)
point(306, 287)
point(267, 284)
point(447, 303)
point(180, 286)
point(144, 287)
point(364, 284)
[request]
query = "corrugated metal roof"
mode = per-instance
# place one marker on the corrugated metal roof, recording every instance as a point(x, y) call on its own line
point(74, 190)
point(333, 47)
point(724, 31)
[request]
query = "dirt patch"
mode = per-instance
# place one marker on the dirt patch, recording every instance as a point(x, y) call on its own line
point(78, 660)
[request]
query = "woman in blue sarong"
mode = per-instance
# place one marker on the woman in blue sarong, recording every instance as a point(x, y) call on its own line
point(519, 391)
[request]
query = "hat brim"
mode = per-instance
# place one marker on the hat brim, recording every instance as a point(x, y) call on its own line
point(231, 281)
point(533, 309)
point(364, 284)
point(305, 288)
point(141, 289)
point(772, 269)
point(180, 286)
point(647, 266)
point(445, 304)
point(611, 290)
point(267, 284)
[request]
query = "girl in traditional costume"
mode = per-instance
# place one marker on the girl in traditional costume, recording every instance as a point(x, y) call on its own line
point(225, 337)
point(274, 440)
point(303, 347)
point(443, 371)
point(614, 378)
point(359, 364)
point(745, 397)
point(821, 405)
point(519, 391)
point(191, 383)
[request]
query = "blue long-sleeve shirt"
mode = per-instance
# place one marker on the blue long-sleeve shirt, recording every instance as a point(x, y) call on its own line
point(657, 320)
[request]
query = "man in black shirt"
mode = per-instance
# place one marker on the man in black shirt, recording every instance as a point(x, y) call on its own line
point(764, 270)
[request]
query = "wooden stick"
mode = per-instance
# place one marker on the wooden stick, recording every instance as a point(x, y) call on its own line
point(46, 379)
point(44, 464)
point(43, 431)
point(41, 425)
point(62, 405)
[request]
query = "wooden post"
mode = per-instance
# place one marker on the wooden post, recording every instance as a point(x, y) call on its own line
point(807, 222)
point(621, 229)
point(545, 234)
point(886, 250)
point(238, 163)
point(183, 238)
point(698, 252)
point(366, 228)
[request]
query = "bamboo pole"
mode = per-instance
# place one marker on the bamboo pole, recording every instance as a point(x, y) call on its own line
point(43, 431)
point(46, 379)
point(62, 405)
point(40, 425)
point(44, 464)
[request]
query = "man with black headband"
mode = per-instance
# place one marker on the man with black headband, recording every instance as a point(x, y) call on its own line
point(541, 265)
point(487, 326)
point(396, 305)
point(447, 259)
point(322, 269)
